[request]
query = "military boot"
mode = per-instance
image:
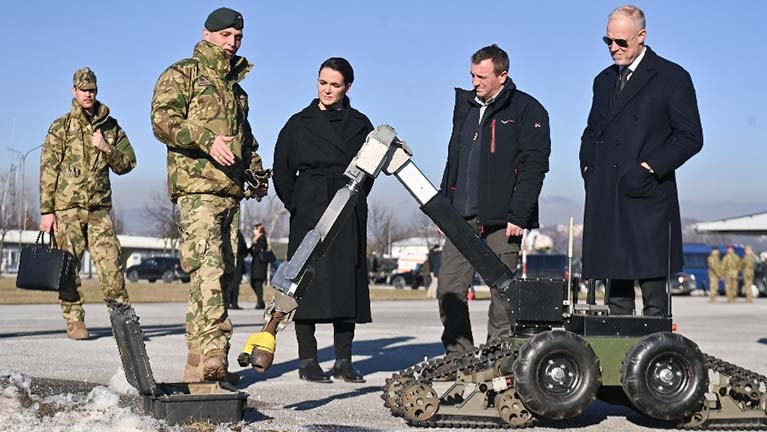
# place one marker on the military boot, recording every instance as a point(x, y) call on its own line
point(76, 330)
point(214, 366)
point(231, 378)
point(193, 368)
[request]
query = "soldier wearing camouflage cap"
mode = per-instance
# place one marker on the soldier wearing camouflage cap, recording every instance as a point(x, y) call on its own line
point(200, 112)
point(80, 149)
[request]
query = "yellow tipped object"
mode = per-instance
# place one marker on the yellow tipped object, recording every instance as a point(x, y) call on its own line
point(264, 341)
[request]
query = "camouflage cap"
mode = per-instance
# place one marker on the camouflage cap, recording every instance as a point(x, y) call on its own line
point(84, 79)
point(222, 18)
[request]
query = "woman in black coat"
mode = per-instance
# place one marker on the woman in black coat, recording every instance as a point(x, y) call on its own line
point(312, 151)
point(258, 266)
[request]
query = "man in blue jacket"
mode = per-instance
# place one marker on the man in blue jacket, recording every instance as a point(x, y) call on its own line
point(497, 158)
point(643, 125)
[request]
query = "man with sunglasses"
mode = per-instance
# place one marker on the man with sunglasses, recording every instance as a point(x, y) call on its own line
point(643, 125)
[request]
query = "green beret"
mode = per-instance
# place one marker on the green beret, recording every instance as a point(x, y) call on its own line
point(84, 79)
point(222, 18)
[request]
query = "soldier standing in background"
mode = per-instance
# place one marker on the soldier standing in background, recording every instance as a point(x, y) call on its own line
point(259, 248)
point(232, 294)
point(200, 112)
point(748, 264)
point(714, 264)
point(76, 195)
point(730, 269)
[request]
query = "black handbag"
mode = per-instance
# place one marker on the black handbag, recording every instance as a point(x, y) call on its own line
point(47, 268)
point(266, 256)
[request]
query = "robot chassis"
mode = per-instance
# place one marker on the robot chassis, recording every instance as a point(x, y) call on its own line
point(557, 357)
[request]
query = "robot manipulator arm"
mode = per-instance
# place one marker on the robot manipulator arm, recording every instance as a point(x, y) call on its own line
point(382, 151)
point(293, 277)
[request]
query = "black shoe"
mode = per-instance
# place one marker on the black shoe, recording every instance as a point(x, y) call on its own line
point(235, 307)
point(260, 305)
point(343, 369)
point(311, 371)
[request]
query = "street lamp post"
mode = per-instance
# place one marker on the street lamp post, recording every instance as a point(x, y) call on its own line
point(23, 215)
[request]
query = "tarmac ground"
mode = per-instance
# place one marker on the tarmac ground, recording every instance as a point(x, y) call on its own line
point(33, 342)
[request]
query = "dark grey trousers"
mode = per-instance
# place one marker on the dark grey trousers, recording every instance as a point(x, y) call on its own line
point(654, 297)
point(454, 280)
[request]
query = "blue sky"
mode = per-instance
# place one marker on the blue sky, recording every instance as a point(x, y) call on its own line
point(408, 56)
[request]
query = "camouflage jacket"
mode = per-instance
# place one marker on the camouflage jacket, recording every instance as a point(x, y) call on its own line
point(748, 264)
point(74, 173)
point(730, 265)
point(714, 264)
point(195, 100)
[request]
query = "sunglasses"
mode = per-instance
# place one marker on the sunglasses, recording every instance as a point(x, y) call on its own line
point(623, 43)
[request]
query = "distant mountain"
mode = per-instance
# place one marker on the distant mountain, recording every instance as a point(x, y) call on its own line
point(555, 210)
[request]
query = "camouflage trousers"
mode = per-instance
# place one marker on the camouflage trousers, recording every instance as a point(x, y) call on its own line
point(731, 287)
point(748, 282)
point(208, 227)
point(80, 229)
point(713, 285)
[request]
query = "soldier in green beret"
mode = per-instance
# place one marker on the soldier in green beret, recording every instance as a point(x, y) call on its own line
point(80, 149)
point(200, 111)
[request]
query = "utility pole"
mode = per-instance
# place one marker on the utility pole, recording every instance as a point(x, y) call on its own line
point(23, 216)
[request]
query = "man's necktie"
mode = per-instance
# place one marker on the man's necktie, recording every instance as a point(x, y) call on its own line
point(620, 83)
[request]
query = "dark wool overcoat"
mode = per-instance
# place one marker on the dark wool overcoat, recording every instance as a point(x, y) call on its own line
point(258, 268)
point(310, 158)
point(631, 217)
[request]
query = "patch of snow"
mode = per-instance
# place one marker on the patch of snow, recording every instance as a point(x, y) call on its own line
point(120, 385)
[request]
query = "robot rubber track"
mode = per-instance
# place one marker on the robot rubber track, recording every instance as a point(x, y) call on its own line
point(738, 401)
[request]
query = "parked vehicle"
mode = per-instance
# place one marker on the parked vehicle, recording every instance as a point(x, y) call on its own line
point(380, 269)
point(413, 278)
point(166, 268)
point(683, 284)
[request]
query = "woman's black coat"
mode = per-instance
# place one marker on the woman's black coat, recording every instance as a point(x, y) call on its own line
point(310, 158)
point(257, 267)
